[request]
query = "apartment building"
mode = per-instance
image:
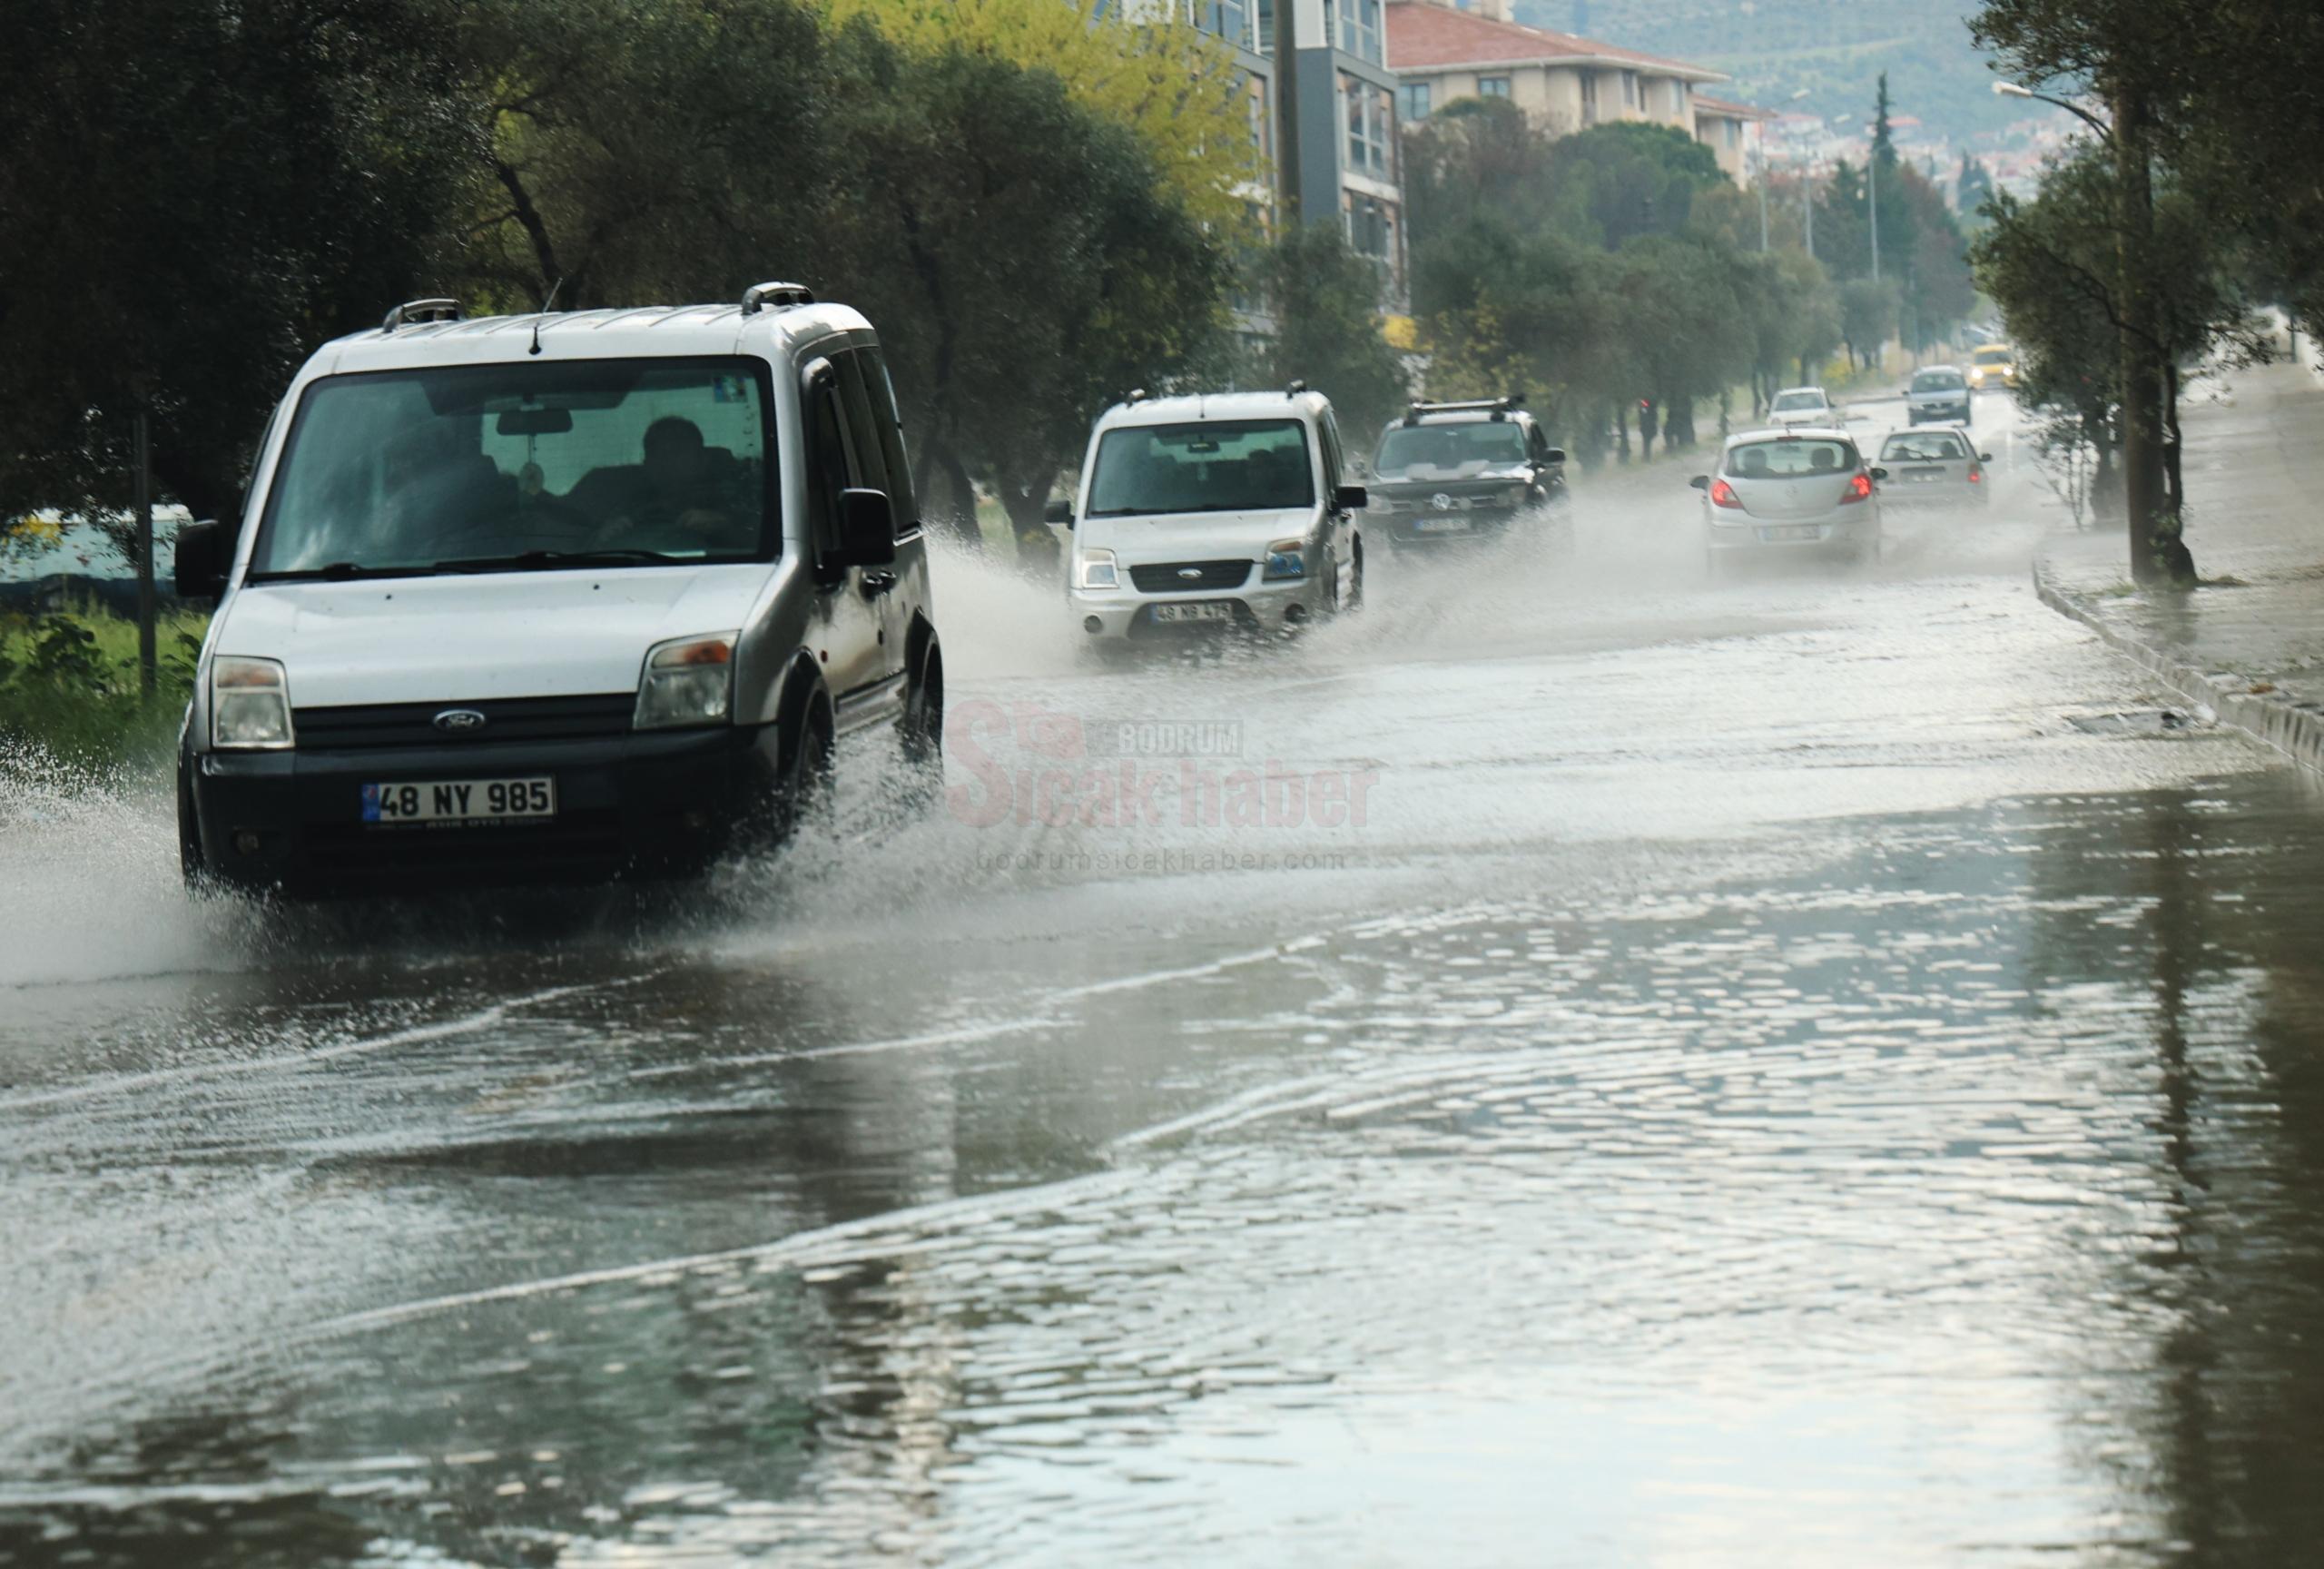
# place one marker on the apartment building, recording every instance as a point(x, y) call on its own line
point(1443, 50)
point(1345, 98)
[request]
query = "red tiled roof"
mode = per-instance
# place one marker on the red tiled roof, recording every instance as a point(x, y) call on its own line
point(1720, 109)
point(1421, 36)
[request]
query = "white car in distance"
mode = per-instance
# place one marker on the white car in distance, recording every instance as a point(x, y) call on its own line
point(1802, 406)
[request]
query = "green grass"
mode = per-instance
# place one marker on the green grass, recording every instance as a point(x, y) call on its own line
point(69, 686)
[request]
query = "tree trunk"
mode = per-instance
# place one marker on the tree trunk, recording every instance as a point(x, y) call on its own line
point(2157, 554)
point(948, 502)
point(1622, 430)
point(2173, 478)
point(1026, 503)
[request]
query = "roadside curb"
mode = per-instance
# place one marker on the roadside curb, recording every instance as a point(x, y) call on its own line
point(2289, 725)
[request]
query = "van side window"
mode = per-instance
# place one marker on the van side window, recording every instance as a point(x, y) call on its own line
point(889, 426)
point(830, 467)
point(869, 461)
point(1538, 443)
point(1329, 428)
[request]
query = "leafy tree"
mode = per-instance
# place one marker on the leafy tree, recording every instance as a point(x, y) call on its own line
point(190, 196)
point(1476, 158)
point(631, 154)
point(1021, 256)
point(1867, 317)
point(1632, 178)
point(1149, 69)
point(1328, 332)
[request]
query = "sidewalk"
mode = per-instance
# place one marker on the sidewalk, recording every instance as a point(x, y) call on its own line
point(2248, 645)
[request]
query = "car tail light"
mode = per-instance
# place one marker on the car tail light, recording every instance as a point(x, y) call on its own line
point(1976, 474)
point(1858, 489)
point(1722, 494)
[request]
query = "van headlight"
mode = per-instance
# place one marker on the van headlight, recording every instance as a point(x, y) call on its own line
point(1095, 569)
point(687, 681)
point(1287, 559)
point(250, 706)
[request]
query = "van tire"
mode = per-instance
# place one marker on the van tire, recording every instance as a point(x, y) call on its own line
point(804, 793)
point(919, 732)
point(191, 865)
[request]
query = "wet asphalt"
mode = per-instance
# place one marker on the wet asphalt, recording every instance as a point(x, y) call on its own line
point(1574, 1065)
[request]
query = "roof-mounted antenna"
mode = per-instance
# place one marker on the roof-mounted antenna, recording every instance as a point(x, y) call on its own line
point(415, 310)
point(545, 306)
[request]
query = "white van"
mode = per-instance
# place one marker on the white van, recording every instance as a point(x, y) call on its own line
point(555, 597)
point(1213, 513)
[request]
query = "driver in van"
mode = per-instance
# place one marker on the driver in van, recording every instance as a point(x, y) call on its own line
point(683, 492)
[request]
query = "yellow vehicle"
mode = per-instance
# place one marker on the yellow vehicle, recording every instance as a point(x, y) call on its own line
point(1991, 366)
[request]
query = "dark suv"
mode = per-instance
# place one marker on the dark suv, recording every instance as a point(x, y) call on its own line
point(1459, 470)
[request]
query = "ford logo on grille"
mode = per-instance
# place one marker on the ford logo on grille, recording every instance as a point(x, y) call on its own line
point(459, 721)
point(1442, 501)
point(1190, 573)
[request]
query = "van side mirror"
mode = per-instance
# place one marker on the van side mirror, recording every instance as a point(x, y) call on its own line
point(867, 530)
point(1351, 499)
point(1700, 481)
point(1878, 473)
point(1554, 456)
point(1058, 512)
point(205, 551)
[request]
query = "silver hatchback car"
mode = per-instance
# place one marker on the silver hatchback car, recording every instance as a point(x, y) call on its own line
point(1935, 466)
point(1802, 490)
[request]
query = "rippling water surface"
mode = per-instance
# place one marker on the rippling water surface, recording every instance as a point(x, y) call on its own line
point(1777, 1079)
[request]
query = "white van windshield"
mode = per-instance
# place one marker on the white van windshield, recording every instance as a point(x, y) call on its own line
point(510, 468)
point(1219, 466)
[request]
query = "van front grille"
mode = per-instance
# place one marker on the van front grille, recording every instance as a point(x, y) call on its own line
point(355, 728)
point(1171, 577)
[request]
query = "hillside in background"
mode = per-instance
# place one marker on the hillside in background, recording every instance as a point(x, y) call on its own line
point(1834, 49)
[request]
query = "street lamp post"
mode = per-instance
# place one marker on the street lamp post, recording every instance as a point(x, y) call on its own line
point(2156, 555)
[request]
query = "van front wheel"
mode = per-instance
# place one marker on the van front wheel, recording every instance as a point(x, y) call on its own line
point(189, 863)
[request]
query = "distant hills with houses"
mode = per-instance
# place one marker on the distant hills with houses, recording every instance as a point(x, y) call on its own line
point(1831, 51)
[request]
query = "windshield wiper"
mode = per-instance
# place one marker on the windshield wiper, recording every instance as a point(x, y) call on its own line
point(539, 560)
point(336, 572)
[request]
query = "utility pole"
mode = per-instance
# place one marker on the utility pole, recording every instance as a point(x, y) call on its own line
point(147, 670)
point(1808, 204)
point(1872, 195)
point(1760, 159)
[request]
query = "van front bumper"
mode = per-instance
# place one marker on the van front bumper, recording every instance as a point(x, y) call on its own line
point(1115, 616)
point(656, 803)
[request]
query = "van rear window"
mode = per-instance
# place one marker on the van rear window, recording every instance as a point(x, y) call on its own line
point(480, 467)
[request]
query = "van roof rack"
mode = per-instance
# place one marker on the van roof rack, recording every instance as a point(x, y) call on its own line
point(1499, 408)
point(781, 296)
point(412, 312)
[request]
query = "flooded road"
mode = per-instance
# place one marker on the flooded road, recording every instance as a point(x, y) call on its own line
point(1815, 1069)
